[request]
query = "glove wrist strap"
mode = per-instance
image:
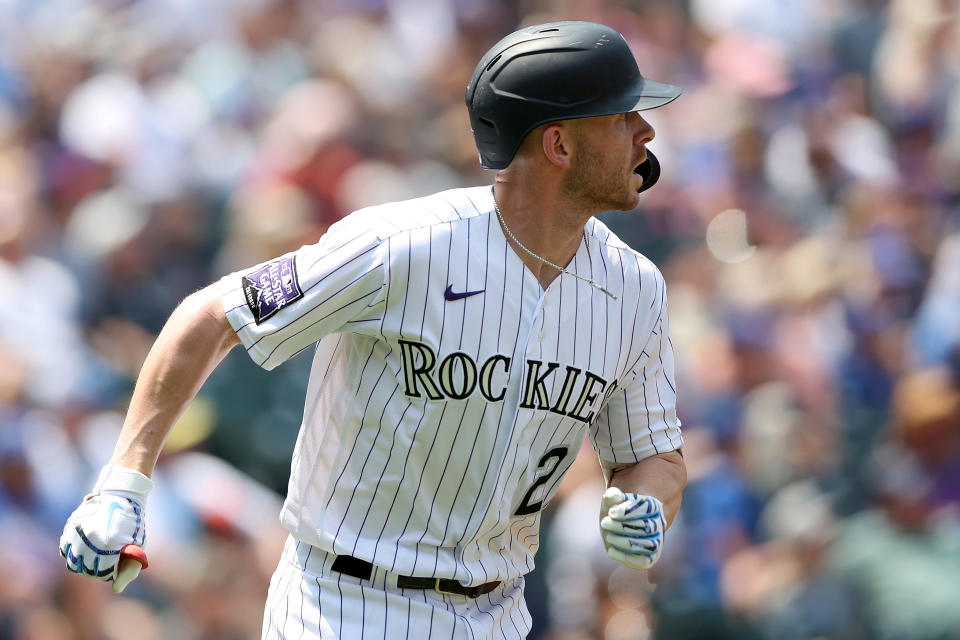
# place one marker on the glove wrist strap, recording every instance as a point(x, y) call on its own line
point(117, 478)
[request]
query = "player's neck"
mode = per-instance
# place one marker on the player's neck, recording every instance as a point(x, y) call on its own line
point(542, 225)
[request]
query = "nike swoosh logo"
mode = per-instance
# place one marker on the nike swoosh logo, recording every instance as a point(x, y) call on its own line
point(450, 294)
point(110, 511)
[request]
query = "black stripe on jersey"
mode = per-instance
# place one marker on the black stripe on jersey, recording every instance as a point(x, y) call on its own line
point(486, 275)
point(436, 433)
point(485, 611)
point(383, 471)
point(624, 354)
point(310, 404)
point(360, 379)
point(655, 330)
point(440, 484)
point(630, 436)
point(503, 294)
point(363, 612)
point(456, 207)
point(660, 355)
point(592, 297)
point(646, 404)
point(486, 471)
point(386, 612)
point(403, 475)
point(426, 291)
point(606, 311)
point(463, 476)
point(443, 314)
point(366, 459)
point(340, 619)
point(303, 623)
point(633, 329)
point(667, 380)
point(467, 282)
point(327, 253)
point(386, 294)
point(576, 314)
point(443, 218)
point(239, 306)
point(406, 292)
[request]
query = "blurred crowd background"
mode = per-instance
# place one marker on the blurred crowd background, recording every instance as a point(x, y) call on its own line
point(808, 224)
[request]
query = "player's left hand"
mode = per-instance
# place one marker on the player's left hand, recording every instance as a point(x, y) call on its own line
point(632, 526)
point(107, 521)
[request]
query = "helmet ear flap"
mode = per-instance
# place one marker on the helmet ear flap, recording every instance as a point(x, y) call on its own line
point(649, 170)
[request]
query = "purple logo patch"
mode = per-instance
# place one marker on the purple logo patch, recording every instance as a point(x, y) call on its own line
point(271, 288)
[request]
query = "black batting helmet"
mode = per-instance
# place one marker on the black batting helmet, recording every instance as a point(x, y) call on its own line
point(556, 71)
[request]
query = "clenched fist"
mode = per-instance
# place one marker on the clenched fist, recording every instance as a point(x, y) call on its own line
point(632, 527)
point(109, 519)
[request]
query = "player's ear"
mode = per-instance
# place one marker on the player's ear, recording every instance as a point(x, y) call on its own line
point(557, 142)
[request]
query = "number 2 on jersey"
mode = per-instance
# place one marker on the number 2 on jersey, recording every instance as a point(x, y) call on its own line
point(526, 508)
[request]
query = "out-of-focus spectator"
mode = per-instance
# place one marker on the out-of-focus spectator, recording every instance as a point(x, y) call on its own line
point(785, 587)
point(926, 423)
point(936, 337)
point(902, 557)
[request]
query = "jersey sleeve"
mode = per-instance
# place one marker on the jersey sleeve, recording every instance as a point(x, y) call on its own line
point(282, 306)
point(639, 420)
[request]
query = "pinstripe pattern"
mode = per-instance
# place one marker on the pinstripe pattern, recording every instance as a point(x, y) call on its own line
point(429, 423)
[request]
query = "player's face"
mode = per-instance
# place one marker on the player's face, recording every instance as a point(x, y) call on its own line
point(608, 149)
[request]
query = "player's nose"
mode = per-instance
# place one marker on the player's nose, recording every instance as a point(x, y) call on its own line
point(644, 131)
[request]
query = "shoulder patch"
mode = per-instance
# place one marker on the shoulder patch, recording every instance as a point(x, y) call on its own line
point(271, 288)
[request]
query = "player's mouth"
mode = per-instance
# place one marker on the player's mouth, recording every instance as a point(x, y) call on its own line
point(638, 164)
point(638, 171)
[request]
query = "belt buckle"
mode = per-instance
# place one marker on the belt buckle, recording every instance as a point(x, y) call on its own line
point(438, 589)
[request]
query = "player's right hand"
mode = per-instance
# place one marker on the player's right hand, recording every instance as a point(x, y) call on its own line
point(632, 526)
point(108, 519)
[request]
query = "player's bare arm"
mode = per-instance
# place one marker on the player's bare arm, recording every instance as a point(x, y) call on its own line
point(663, 476)
point(103, 536)
point(193, 342)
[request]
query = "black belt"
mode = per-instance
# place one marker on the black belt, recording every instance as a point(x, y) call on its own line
point(362, 569)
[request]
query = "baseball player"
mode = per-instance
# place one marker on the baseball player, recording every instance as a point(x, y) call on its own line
point(465, 344)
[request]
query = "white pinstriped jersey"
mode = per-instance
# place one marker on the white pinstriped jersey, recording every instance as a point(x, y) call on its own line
point(449, 391)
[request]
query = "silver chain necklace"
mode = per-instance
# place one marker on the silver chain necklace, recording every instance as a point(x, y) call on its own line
point(590, 280)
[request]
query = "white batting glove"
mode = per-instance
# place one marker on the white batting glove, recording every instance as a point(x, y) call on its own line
point(108, 519)
point(632, 526)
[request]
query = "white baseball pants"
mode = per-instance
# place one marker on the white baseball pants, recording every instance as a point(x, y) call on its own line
point(309, 601)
